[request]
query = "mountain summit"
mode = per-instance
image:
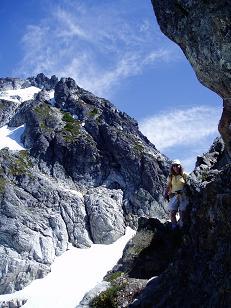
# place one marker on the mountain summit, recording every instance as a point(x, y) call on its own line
point(84, 173)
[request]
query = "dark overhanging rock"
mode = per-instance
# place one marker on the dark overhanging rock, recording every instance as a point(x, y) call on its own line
point(202, 30)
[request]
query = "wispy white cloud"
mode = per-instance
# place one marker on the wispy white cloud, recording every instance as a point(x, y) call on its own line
point(180, 126)
point(99, 45)
point(184, 133)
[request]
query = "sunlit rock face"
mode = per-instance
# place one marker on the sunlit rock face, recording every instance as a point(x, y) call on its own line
point(85, 173)
point(202, 30)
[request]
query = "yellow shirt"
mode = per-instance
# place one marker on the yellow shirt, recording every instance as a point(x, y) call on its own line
point(176, 182)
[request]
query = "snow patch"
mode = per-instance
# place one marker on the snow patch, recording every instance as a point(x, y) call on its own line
point(72, 275)
point(52, 97)
point(10, 137)
point(19, 95)
point(51, 94)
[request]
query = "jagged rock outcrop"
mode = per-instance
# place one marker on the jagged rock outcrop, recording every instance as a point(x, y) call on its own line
point(13, 303)
point(208, 165)
point(13, 83)
point(7, 110)
point(43, 82)
point(87, 172)
point(202, 30)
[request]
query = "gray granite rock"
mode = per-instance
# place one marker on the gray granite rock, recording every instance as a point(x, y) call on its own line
point(7, 111)
point(43, 82)
point(104, 209)
point(13, 303)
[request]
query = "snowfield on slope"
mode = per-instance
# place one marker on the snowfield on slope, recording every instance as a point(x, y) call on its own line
point(72, 275)
point(10, 137)
point(19, 95)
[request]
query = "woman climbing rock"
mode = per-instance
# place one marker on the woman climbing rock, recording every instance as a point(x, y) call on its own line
point(175, 194)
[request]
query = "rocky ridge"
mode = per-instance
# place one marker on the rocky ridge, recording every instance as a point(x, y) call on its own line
point(85, 174)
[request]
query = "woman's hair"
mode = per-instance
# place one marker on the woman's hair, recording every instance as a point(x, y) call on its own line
point(172, 172)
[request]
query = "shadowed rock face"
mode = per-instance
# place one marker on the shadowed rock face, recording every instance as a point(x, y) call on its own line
point(202, 30)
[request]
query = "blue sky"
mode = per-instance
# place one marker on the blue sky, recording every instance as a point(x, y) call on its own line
point(115, 49)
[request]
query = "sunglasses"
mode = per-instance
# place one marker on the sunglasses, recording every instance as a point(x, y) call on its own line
point(176, 165)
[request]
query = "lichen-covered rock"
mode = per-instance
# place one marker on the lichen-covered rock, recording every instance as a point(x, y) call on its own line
point(119, 293)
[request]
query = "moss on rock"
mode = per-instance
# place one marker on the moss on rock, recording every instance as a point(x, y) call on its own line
point(72, 128)
point(107, 298)
point(2, 184)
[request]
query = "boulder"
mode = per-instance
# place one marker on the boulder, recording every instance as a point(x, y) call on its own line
point(105, 212)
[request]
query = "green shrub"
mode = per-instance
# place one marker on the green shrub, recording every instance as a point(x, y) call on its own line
point(21, 164)
point(71, 131)
point(94, 112)
point(43, 112)
point(68, 118)
point(2, 185)
point(113, 276)
point(107, 298)
point(138, 147)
